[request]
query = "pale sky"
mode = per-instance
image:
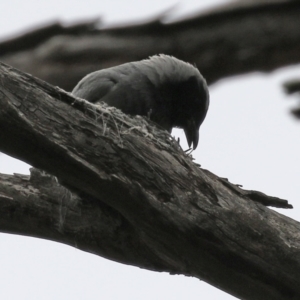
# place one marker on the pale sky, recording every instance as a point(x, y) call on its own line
point(248, 136)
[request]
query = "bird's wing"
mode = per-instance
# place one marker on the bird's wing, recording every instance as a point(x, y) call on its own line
point(117, 87)
point(94, 86)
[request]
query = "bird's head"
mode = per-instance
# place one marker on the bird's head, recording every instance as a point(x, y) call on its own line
point(185, 94)
point(190, 107)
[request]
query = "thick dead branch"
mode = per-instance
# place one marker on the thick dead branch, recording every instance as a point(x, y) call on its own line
point(238, 38)
point(162, 211)
point(39, 206)
point(31, 39)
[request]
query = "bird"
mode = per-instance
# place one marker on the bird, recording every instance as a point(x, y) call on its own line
point(171, 92)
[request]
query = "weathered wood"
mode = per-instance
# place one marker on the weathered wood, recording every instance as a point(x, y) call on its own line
point(183, 219)
point(233, 39)
point(39, 206)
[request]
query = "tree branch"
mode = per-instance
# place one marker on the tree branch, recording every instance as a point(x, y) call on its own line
point(233, 39)
point(39, 206)
point(162, 211)
point(293, 87)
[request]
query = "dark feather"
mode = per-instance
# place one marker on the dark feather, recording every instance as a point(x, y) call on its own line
point(171, 91)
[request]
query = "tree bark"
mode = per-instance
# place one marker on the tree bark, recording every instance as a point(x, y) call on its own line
point(38, 206)
point(134, 196)
point(237, 38)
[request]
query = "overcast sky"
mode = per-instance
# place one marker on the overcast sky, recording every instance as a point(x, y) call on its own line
point(248, 136)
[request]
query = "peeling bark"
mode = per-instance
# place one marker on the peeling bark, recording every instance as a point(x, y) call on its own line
point(134, 196)
point(38, 206)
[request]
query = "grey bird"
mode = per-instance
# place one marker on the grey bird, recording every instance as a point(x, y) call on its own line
point(170, 91)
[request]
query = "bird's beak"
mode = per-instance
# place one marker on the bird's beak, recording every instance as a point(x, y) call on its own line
point(192, 133)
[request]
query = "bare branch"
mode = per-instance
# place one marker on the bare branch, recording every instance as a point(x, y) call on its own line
point(238, 38)
point(293, 87)
point(39, 206)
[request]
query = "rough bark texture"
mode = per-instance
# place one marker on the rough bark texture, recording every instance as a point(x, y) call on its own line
point(238, 38)
point(139, 198)
point(39, 206)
